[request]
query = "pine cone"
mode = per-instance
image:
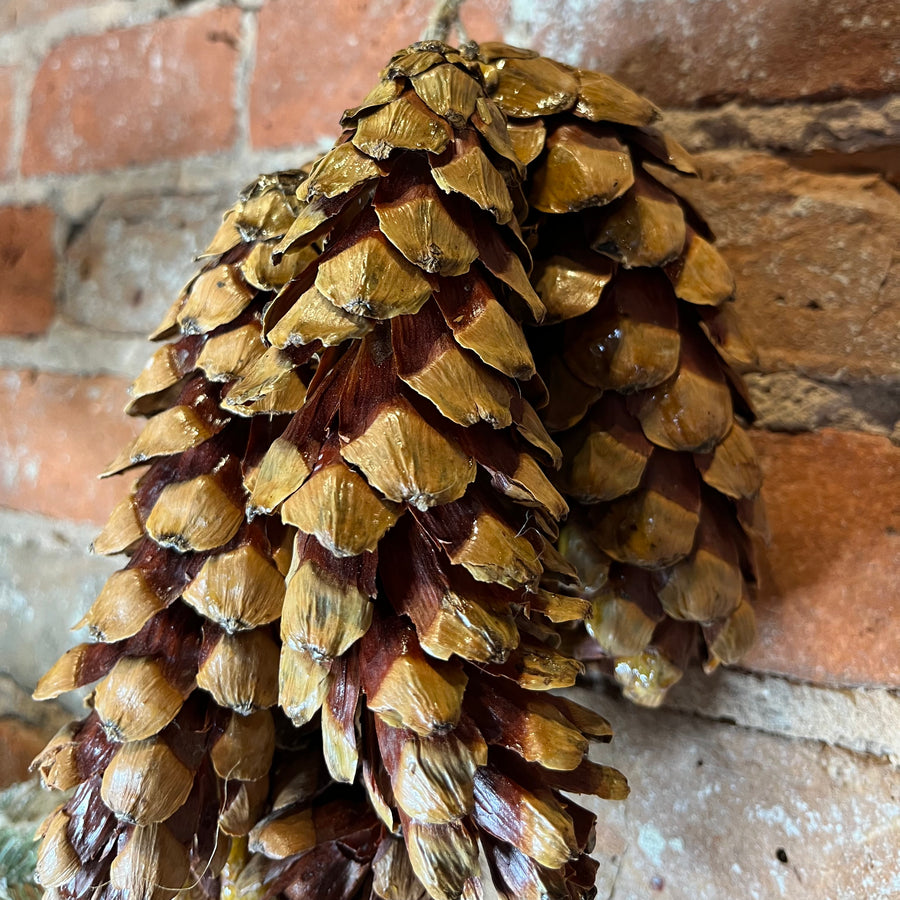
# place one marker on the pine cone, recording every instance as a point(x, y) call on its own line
point(342, 437)
point(639, 360)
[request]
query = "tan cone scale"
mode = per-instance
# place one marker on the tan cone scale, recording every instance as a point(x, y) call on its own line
point(323, 672)
point(639, 355)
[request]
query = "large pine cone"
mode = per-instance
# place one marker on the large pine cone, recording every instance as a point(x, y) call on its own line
point(640, 361)
point(341, 438)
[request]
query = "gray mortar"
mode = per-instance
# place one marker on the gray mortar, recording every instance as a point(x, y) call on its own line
point(785, 401)
point(844, 126)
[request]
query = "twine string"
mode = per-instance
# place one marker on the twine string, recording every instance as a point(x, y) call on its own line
point(443, 19)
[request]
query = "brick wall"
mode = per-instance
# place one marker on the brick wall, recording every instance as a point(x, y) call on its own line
point(126, 127)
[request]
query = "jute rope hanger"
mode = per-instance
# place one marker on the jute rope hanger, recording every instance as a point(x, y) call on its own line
point(443, 19)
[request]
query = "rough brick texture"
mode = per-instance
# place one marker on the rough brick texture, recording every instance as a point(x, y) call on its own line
point(20, 742)
point(708, 51)
point(16, 703)
point(27, 269)
point(57, 432)
point(45, 588)
point(830, 598)
point(158, 91)
point(128, 263)
point(815, 257)
point(298, 95)
point(785, 401)
point(712, 805)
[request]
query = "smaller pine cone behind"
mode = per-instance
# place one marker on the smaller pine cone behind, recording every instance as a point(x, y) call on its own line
point(323, 671)
point(639, 351)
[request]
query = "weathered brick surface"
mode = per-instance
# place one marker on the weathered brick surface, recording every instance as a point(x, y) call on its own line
point(829, 609)
point(815, 257)
point(864, 720)
point(128, 263)
point(297, 97)
point(850, 129)
point(57, 432)
point(712, 805)
point(485, 21)
point(707, 51)
point(7, 94)
point(44, 590)
point(16, 701)
point(25, 725)
point(27, 269)
point(19, 744)
point(158, 91)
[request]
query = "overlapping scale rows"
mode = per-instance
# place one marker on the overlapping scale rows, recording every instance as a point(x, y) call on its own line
point(418, 613)
point(639, 358)
point(173, 760)
point(347, 516)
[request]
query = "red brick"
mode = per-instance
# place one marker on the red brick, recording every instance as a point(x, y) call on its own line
point(19, 744)
point(829, 609)
point(708, 51)
point(57, 432)
point(297, 96)
point(7, 98)
point(158, 91)
point(714, 808)
point(27, 269)
point(484, 21)
point(815, 260)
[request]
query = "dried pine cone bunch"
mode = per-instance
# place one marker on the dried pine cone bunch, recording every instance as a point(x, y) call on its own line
point(323, 672)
